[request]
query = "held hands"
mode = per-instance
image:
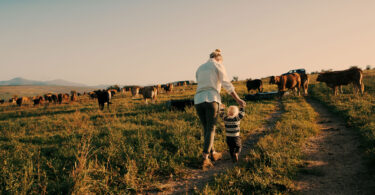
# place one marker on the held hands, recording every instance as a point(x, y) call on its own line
point(241, 103)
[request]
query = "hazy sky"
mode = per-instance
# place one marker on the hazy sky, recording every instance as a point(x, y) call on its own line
point(156, 41)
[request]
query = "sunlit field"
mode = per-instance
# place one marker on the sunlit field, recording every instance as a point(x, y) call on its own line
point(135, 147)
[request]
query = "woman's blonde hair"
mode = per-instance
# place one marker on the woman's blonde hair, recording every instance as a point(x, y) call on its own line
point(216, 53)
point(233, 111)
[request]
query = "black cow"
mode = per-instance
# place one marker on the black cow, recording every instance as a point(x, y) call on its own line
point(2, 101)
point(103, 96)
point(254, 84)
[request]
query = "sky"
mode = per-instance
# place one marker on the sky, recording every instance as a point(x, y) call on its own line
point(157, 41)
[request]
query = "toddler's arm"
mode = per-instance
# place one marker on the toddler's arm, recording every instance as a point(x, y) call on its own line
point(241, 114)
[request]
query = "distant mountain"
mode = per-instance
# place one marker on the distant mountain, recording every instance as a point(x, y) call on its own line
point(57, 82)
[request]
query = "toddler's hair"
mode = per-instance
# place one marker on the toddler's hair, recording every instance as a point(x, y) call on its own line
point(233, 111)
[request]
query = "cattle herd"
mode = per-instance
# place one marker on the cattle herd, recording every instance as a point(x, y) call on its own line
point(295, 80)
point(298, 80)
point(103, 96)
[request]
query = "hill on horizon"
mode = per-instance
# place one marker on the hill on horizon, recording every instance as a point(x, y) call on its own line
point(57, 82)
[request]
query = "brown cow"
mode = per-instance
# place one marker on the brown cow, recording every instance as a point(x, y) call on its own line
point(135, 90)
point(150, 92)
point(62, 97)
point(73, 95)
point(22, 100)
point(285, 82)
point(336, 79)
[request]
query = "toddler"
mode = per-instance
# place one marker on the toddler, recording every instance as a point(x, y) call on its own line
point(232, 129)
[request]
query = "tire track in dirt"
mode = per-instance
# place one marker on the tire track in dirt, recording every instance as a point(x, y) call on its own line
point(333, 162)
point(197, 178)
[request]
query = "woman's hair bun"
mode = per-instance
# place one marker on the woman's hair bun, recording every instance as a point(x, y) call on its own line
point(218, 50)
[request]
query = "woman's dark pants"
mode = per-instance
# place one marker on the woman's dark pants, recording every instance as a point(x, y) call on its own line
point(208, 113)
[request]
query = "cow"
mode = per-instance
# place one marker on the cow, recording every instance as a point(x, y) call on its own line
point(254, 84)
point(304, 82)
point(73, 95)
point(285, 82)
point(38, 100)
point(103, 96)
point(150, 92)
point(50, 97)
point(62, 97)
point(135, 90)
point(13, 100)
point(127, 88)
point(92, 95)
point(2, 101)
point(168, 87)
point(22, 100)
point(112, 91)
point(336, 79)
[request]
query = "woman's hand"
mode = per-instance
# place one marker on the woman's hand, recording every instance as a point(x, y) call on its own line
point(238, 99)
point(241, 103)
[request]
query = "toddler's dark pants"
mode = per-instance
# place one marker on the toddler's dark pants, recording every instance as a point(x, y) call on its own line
point(234, 144)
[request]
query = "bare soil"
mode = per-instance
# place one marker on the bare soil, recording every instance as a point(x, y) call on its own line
point(197, 178)
point(333, 161)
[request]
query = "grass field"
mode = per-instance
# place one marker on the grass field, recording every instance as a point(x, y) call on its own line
point(76, 148)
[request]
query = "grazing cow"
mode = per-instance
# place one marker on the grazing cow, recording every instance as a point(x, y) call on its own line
point(103, 96)
point(73, 96)
point(336, 79)
point(38, 100)
point(285, 82)
point(127, 88)
point(62, 97)
point(51, 97)
point(150, 92)
point(180, 104)
point(254, 84)
point(48, 97)
point(135, 90)
point(168, 87)
point(2, 101)
point(22, 100)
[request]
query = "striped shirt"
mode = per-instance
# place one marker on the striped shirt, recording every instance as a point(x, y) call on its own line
point(232, 124)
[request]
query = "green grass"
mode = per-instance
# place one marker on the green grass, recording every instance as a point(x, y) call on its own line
point(76, 148)
point(271, 165)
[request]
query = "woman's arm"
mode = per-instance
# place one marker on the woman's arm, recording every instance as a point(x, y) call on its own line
point(228, 85)
point(238, 99)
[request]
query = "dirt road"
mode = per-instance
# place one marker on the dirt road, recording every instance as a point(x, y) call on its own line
point(334, 164)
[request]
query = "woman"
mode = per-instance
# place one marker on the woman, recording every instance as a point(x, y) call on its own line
point(210, 77)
